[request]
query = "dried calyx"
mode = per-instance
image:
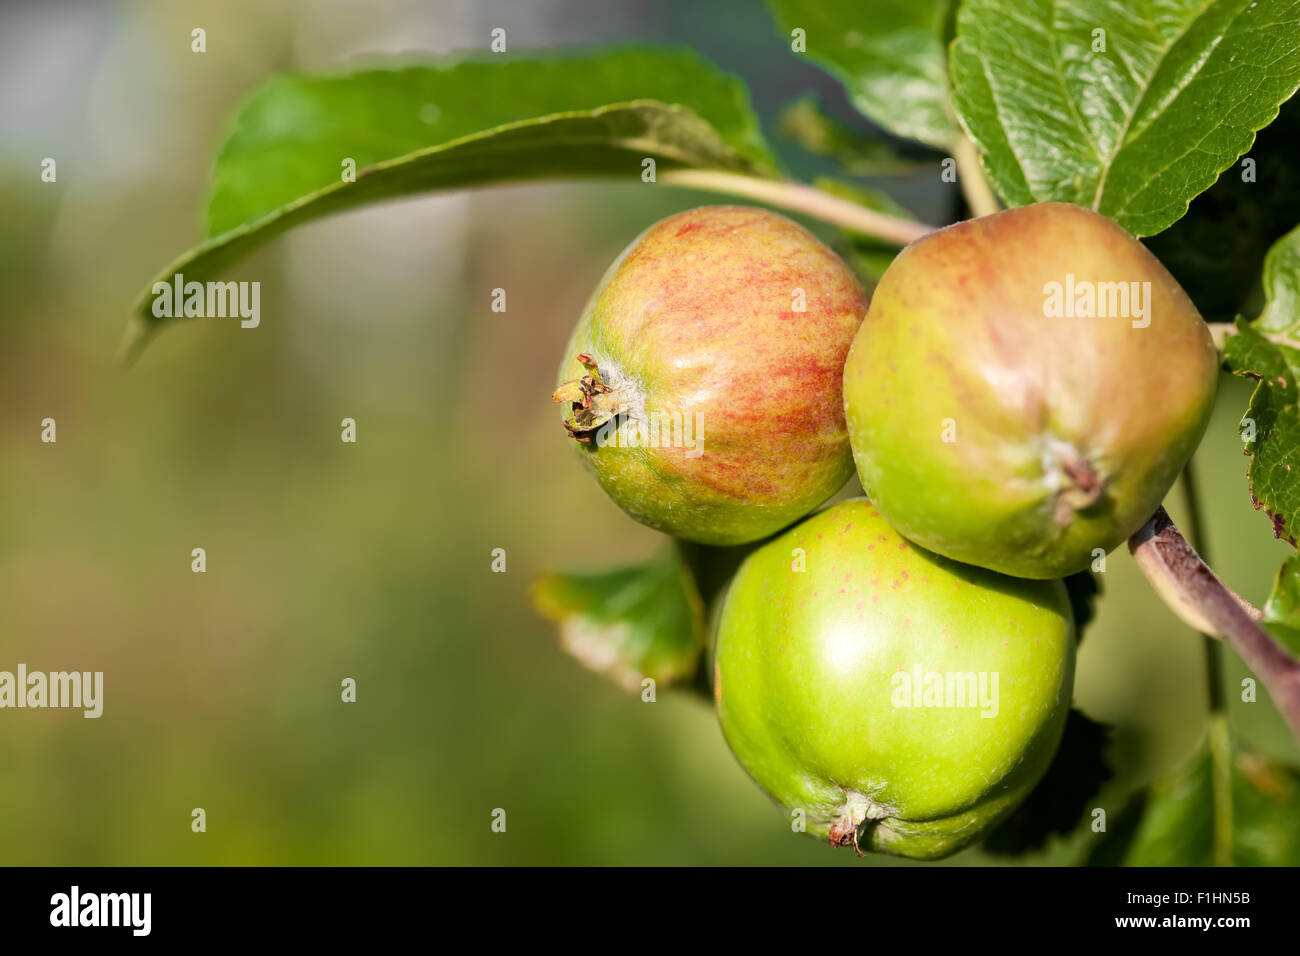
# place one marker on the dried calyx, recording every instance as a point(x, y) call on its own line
point(593, 401)
point(1078, 483)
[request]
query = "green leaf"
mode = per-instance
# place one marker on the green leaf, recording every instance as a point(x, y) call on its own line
point(1255, 352)
point(1282, 286)
point(1177, 825)
point(631, 623)
point(289, 138)
point(1282, 610)
point(1266, 811)
point(888, 53)
point(1138, 130)
point(1121, 828)
point(1274, 417)
point(453, 125)
point(1177, 821)
point(857, 153)
point(1056, 804)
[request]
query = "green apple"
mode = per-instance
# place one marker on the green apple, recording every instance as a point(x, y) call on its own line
point(902, 701)
point(1025, 389)
point(703, 383)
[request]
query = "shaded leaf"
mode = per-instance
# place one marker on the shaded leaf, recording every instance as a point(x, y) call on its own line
point(1110, 847)
point(857, 153)
point(1137, 130)
point(630, 623)
point(1282, 610)
point(1177, 826)
point(1178, 817)
point(1216, 252)
point(1266, 811)
point(888, 53)
point(1083, 589)
point(1282, 286)
point(1275, 417)
point(1274, 412)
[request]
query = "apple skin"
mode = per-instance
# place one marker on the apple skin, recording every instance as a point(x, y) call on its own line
point(696, 319)
point(804, 667)
point(1068, 431)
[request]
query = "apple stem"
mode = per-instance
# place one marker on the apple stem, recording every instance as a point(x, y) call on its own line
point(975, 187)
point(1194, 592)
point(801, 198)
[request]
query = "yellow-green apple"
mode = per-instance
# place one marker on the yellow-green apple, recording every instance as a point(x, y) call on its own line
point(1025, 389)
point(888, 697)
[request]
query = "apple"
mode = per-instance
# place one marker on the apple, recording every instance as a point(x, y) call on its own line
point(1026, 388)
point(702, 385)
point(902, 701)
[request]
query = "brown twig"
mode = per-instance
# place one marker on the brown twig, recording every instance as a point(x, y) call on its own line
point(1196, 595)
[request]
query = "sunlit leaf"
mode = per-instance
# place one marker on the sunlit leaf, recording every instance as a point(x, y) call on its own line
point(1132, 109)
point(455, 125)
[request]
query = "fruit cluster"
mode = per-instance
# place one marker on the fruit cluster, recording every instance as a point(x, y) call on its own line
point(1018, 397)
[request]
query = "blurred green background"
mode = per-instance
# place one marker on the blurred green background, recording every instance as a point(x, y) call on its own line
point(372, 561)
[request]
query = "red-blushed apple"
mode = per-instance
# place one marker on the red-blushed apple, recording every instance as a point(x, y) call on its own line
point(703, 382)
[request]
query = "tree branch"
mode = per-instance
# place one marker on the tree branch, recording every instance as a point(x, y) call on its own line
point(800, 197)
point(1198, 597)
